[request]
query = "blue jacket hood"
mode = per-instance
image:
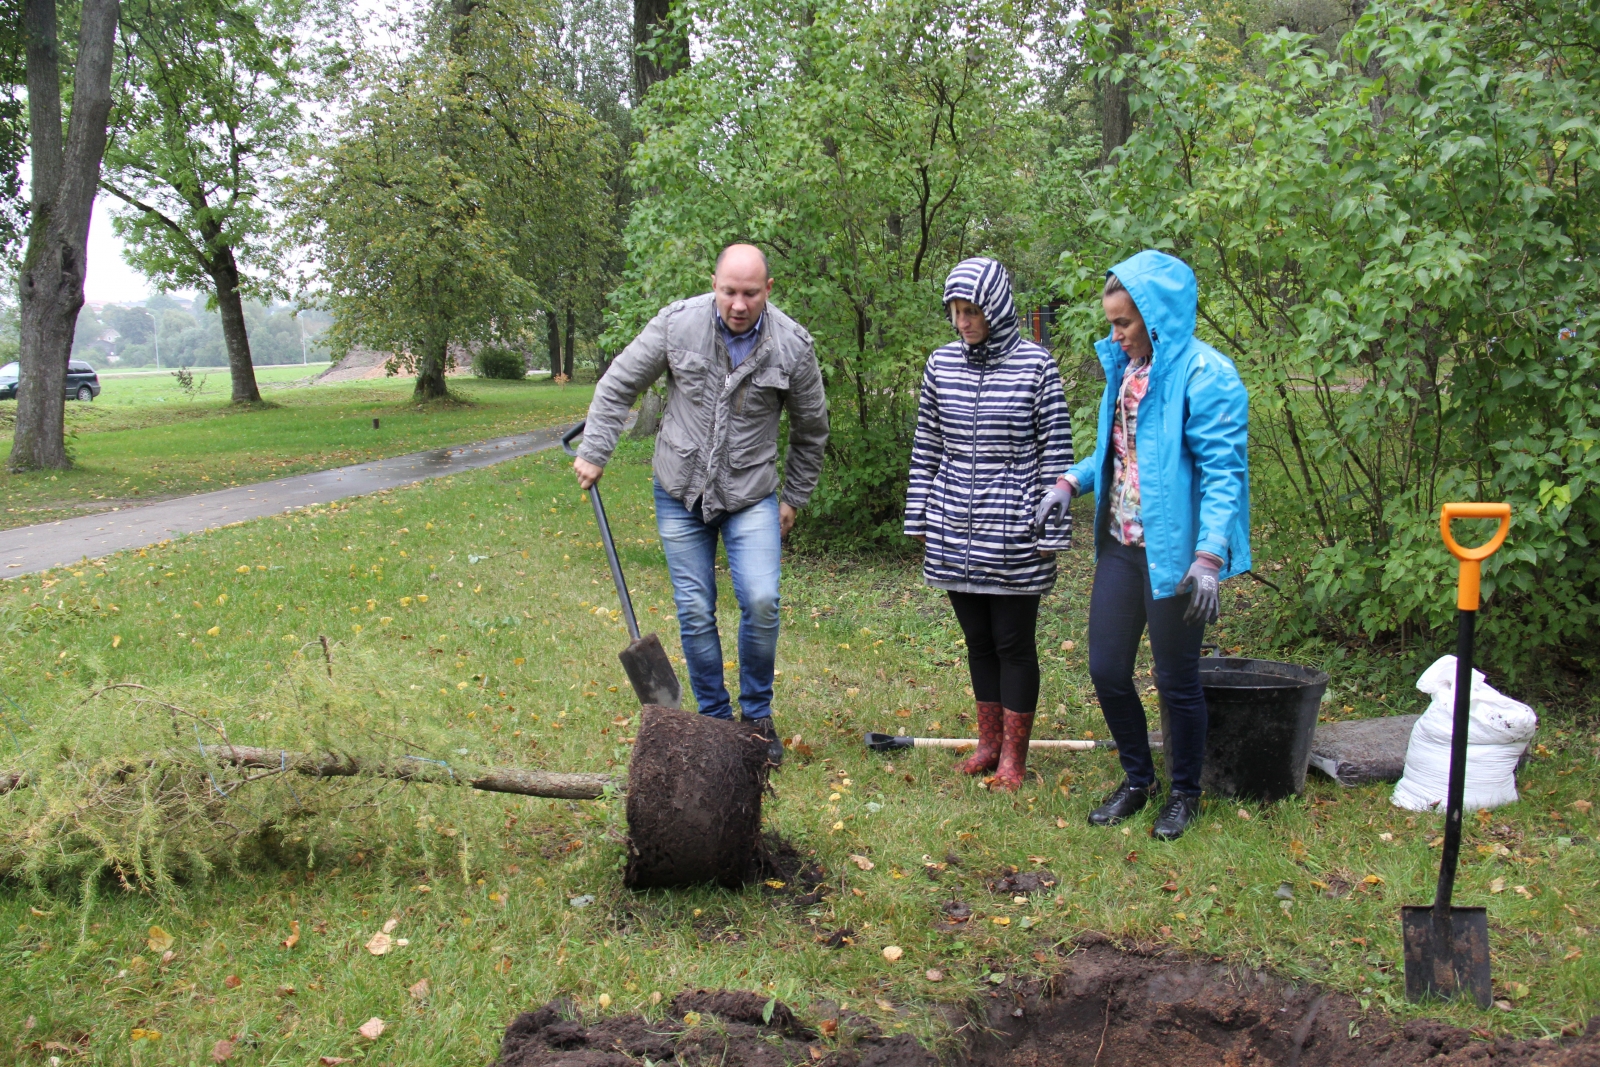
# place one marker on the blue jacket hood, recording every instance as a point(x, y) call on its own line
point(1164, 290)
point(986, 283)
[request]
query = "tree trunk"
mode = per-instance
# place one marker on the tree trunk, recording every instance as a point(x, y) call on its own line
point(571, 342)
point(64, 179)
point(668, 42)
point(430, 371)
point(649, 420)
point(225, 276)
point(1116, 120)
point(553, 339)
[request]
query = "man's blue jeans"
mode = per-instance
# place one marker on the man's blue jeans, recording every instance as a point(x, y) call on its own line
point(754, 547)
point(1120, 607)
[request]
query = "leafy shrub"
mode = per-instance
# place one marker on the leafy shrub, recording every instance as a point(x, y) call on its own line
point(1398, 246)
point(500, 363)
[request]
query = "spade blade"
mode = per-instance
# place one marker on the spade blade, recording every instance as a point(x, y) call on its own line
point(651, 672)
point(1447, 956)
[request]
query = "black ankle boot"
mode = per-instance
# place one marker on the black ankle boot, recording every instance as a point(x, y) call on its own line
point(1125, 800)
point(1180, 810)
point(769, 733)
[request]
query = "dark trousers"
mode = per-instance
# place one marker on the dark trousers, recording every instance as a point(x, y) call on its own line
point(1002, 655)
point(1120, 607)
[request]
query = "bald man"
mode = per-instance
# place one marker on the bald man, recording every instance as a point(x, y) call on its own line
point(734, 364)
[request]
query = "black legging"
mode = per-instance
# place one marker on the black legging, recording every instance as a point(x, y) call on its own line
point(1002, 655)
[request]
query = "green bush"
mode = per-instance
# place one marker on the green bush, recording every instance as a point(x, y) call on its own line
point(500, 363)
point(1397, 244)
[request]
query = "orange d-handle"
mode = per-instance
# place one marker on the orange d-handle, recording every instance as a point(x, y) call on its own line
point(1472, 558)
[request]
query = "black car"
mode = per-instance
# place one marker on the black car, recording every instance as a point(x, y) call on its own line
point(82, 381)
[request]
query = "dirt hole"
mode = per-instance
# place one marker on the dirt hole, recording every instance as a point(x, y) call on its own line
point(1107, 1006)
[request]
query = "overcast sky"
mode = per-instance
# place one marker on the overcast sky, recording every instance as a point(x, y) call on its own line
point(109, 278)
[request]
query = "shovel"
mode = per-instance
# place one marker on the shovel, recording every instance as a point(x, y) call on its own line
point(644, 659)
point(1446, 948)
point(889, 742)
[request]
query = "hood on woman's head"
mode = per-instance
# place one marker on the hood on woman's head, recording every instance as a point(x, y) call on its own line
point(1163, 288)
point(984, 282)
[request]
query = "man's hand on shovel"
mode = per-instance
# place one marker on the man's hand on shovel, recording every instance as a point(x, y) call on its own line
point(588, 473)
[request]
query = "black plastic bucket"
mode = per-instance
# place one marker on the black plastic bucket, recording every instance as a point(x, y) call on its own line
point(1262, 717)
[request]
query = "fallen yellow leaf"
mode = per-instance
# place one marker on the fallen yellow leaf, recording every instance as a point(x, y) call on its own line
point(372, 1029)
point(861, 861)
point(379, 944)
point(691, 1018)
point(294, 934)
point(893, 952)
point(420, 990)
point(116, 640)
point(214, 631)
point(159, 940)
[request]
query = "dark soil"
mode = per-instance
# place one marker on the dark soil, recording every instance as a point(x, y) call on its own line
point(694, 801)
point(733, 1030)
point(1010, 881)
point(1107, 1006)
point(1112, 1007)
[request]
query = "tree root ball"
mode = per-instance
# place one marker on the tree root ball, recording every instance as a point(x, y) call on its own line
point(694, 801)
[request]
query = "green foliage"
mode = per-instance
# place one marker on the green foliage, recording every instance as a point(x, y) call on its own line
point(13, 131)
point(867, 148)
point(450, 175)
point(207, 111)
point(1397, 243)
point(503, 363)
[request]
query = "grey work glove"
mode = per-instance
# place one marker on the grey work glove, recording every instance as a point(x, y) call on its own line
point(1201, 584)
point(1054, 506)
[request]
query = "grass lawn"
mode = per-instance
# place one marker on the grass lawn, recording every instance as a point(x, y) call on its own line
point(144, 439)
point(472, 623)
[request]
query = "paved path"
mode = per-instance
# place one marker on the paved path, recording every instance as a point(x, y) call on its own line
point(29, 549)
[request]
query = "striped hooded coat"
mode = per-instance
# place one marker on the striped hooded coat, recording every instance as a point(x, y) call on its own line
point(993, 433)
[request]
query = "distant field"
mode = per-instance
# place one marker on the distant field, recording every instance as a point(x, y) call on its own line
point(122, 385)
point(144, 439)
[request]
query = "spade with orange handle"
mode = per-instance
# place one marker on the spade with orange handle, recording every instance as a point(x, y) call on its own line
point(1447, 948)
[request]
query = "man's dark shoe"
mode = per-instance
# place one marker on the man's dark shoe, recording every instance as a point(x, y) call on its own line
point(1180, 810)
point(1125, 800)
point(769, 733)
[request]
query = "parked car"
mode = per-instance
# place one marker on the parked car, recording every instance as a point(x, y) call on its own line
point(82, 381)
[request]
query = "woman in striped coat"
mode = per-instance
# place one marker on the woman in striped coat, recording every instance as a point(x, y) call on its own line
point(992, 434)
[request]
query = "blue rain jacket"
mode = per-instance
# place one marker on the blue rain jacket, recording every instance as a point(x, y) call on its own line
point(1192, 433)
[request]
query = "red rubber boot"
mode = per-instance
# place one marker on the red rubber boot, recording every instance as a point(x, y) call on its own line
point(990, 728)
point(1013, 752)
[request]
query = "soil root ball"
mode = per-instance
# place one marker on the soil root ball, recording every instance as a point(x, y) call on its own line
point(694, 801)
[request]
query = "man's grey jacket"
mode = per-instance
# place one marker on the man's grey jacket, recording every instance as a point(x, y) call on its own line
point(718, 442)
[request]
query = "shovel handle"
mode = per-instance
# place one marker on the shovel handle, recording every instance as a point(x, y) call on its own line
point(605, 537)
point(1472, 558)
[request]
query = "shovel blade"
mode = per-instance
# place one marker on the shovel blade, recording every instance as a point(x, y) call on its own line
point(1447, 960)
point(651, 673)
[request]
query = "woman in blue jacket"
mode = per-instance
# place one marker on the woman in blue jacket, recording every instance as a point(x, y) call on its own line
point(1172, 518)
point(992, 432)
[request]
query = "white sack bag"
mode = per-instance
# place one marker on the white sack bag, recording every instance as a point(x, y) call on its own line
point(1498, 733)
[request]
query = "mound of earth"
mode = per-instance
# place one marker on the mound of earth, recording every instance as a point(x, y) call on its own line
point(704, 1029)
point(1107, 1006)
point(1111, 1007)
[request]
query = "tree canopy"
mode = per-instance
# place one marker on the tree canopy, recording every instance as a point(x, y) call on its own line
point(455, 182)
